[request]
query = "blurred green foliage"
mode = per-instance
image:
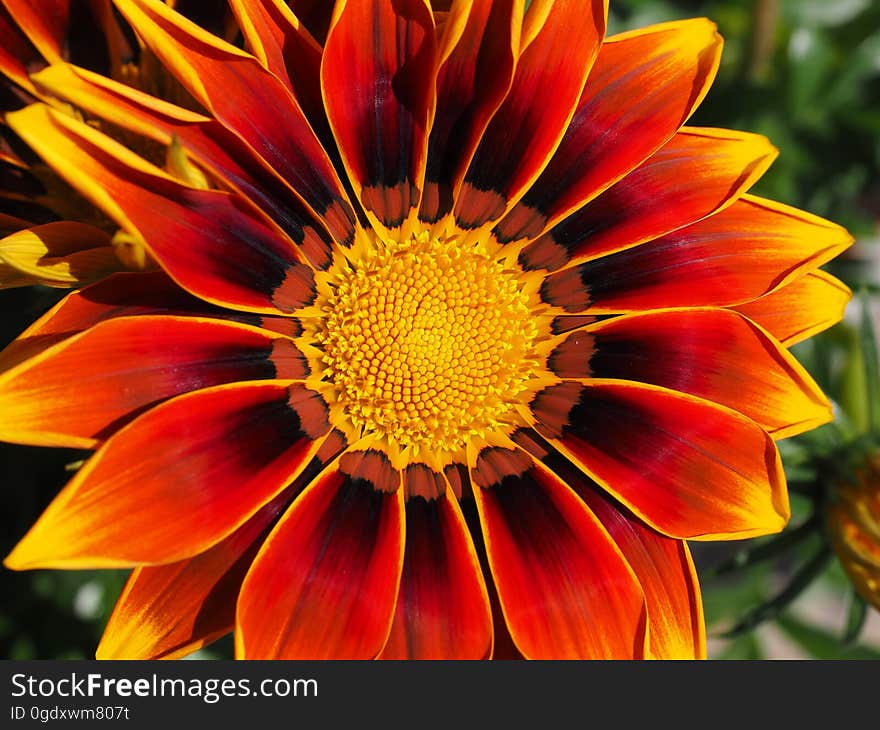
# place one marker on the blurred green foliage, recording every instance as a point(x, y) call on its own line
point(806, 73)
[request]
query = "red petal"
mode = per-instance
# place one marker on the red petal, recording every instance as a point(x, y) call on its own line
point(565, 589)
point(45, 23)
point(207, 143)
point(469, 91)
point(698, 172)
point(442, 609)
point(642, 88)
point(325, 582)
point(85, 388)
point(178, 479)
point(122, 294)
point(715, 354)
point(17, 54)
point(378, 75)
point(738, 254)
point(688, 467)
point(283, 46)
point(246, 99)
point(663, 565)
point(802, 309)
point(503, 647)
point(167, 611)
point(527, 128)
point(230, 257)
point(125, 294)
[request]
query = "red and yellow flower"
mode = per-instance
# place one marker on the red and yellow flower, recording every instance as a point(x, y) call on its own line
point(462, 338)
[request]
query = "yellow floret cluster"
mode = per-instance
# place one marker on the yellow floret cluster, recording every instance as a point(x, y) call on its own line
point(427, 342)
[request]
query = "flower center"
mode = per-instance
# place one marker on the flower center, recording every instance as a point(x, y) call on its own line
point(428, 342)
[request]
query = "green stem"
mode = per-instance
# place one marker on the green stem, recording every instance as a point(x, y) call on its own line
point(772, 608)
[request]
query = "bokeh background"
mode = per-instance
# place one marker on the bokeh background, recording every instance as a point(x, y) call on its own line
point(807, 74)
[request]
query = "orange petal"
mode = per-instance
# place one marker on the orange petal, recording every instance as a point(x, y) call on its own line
point(527, 128)
point(125, 294)
point(714, 354)
point(565, 588)
point(249, 101)
point(80, 391)
point(469, 91)
point(689, 468)
point(205, 141)
point(698, 172)
point(663, 565)
point(283, 45)
point(178, 479)
point(324, 584)
point(119, 295)
point(801, 309)
point(443, 608)
point(378, 75)
point(44, 23)
point(167, 611)
point(741, 253)
point(17, 54)
point(231, 257)
point(642, 88)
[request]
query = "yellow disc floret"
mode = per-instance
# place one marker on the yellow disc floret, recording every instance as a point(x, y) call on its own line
point(427, 342)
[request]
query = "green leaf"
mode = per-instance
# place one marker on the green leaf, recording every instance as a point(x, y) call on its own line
point(824, 13)
point(812, 65)
point(744, 648)
point(821, 644)
point(775, 606)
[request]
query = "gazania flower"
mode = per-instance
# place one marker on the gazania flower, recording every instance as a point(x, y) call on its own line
point(465, 337)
